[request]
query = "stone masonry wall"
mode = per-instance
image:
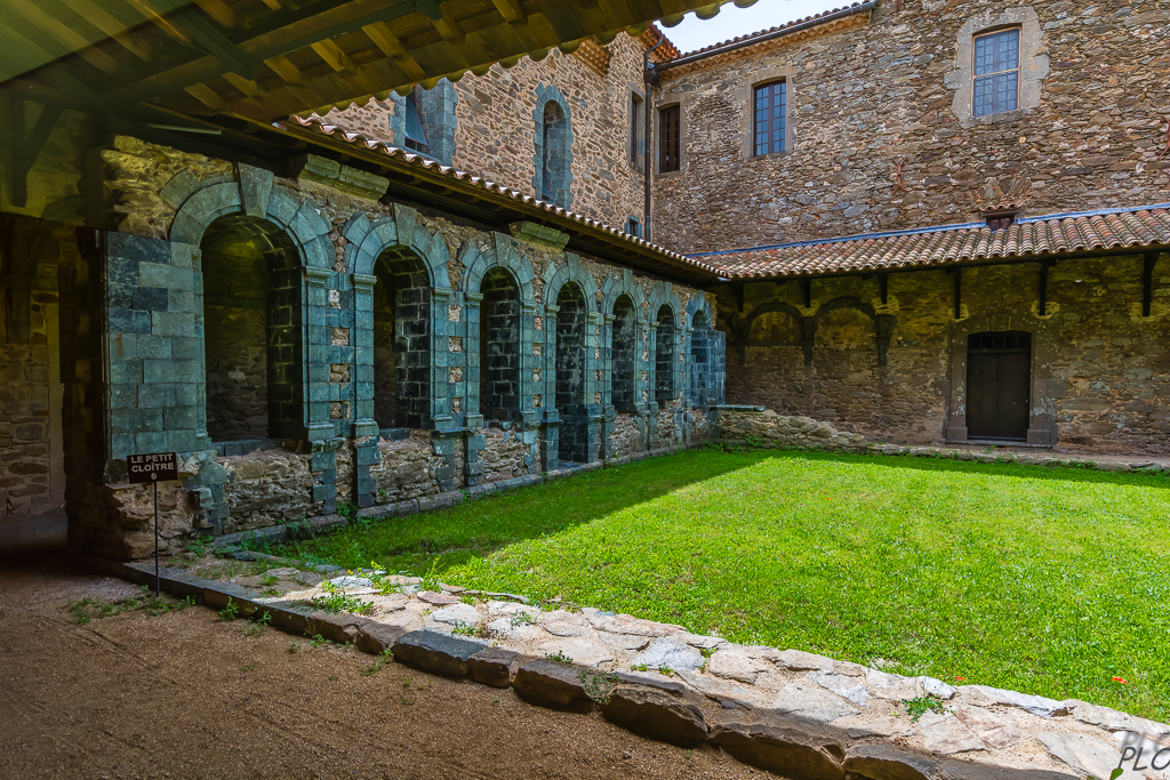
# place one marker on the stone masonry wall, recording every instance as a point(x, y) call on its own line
point(877, 144)
point(1100, 369)
point(334, 449)
point(495, 129)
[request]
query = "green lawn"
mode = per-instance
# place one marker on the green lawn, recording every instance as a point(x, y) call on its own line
point(1049, 581)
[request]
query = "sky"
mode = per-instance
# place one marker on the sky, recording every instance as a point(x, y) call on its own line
point(694, 33)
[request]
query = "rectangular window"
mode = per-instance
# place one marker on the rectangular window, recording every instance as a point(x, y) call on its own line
point(769, 123)
point(634, 227)
point(635, 129)
point(997, 72)
point(668, 139)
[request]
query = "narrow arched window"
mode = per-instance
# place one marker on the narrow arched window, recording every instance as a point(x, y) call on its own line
point(252, 330)
point(700, 359)
point(499, 346)
point(664, 357)
point(570, 376)
point(622, 350)
point(554, 159)
point(402, 341)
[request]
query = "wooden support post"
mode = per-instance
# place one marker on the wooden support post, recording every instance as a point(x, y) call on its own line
point(23, 145)
point(1148, 282)
point(738, 288)
point(1043, 286)
point(884, 287)
point(957, 279)
point(806, 290)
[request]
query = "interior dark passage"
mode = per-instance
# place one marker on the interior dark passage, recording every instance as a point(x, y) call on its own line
point(402, 341)
point(570, 380)
point(499, 346)
point(998, 385)
point(664, 359)
point(252, 330)
point(622, 350)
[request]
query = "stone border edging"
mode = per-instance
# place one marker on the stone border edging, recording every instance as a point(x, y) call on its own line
point(650, 705)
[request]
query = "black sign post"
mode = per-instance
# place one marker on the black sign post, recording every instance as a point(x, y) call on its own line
point(154, 468)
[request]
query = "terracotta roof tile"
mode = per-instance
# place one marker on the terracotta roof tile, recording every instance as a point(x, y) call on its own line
point(337, 133)
point(1130, 228)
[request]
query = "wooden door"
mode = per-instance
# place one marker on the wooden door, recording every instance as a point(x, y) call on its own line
point(999, 380)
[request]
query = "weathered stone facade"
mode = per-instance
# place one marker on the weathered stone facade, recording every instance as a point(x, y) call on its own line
point(877, 142)
point(1098, 369)
point(497, 125)
point(345, 363)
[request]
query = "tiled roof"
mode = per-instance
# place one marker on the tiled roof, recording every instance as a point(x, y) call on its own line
point(951, 245)
point(426, 163)
point(772, 32)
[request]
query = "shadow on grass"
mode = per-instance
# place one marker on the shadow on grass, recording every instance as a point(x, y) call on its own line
point(436, 541)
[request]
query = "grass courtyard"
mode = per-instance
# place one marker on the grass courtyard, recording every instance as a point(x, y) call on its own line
point(1045, 580)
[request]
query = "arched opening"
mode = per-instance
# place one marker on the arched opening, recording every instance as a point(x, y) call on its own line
point(664, 359)
point(622, 352)
point(570, 368)
point(999, 384)
point(555, 155)
point(700, 359)
point(252, 331)
point(499, 346)
point(402, 341)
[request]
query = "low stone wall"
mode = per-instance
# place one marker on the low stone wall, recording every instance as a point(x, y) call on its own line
point(503, 455)
point(787, 711)
point(628, 436)
point(406, 469)
point(267, 487)
point(757, 424)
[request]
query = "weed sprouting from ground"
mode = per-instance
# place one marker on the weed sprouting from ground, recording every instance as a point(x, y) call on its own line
point(89, 608)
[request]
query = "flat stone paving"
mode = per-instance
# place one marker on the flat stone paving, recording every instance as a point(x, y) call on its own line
point(785, 710)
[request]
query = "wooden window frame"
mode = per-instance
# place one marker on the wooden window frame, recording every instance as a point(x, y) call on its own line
point(768, 88)
point(670, 143)
point(1018, 70)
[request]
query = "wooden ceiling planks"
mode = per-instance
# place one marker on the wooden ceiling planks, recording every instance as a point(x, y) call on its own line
point(269, 58)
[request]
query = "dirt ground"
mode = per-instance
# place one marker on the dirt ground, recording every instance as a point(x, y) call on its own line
point(186, 695)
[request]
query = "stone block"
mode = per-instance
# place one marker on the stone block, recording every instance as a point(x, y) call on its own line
point(495, 666)
point(432, 651)
point(376, 638)
point(882, 762)
point(674, 718)
point(552, 684)
point(788, 752)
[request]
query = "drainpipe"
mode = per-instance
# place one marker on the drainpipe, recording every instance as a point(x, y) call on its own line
point(649, 78)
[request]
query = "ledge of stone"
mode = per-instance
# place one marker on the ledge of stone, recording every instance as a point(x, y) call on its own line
point(788, 711)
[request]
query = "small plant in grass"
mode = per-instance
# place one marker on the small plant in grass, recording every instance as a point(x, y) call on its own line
point(198, 546)
point(430, 580)
point(256, 627)
point(229, 612)
point(599, 687)
point(463, 629)
point(559, 656)
point(373, 668)
point(467, 598)
point(269, 579)
point(755, 442)
point(294, 647)
point(337, 600)
point(666, 671)
point(639, 668)
point(381, 580)
point(87, 609)
point(920, 705)
point(317, 640)
point(521, 618)
point(271, 592)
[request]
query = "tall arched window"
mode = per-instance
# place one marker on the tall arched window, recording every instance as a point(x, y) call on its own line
point(700, 359)
point(664, 357)
point(553, 140)
point(252, 330)
point(499, 346)
point(622, 351)
point(570, 379)
point(402, 341)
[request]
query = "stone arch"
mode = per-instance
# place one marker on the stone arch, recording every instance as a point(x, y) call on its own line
point(477, 259)
point(883, 324)
point(297, 216)
point(554, 147)
point(622, 341)
point(556, 275)
point(367, 240)
point(703, 352)
point(663, 294)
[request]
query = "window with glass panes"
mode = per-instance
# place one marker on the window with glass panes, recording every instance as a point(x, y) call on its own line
point(668, 139)
point(997, 72)
point(769, 106)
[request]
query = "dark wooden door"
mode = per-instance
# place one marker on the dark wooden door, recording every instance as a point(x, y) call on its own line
point(999, 378)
